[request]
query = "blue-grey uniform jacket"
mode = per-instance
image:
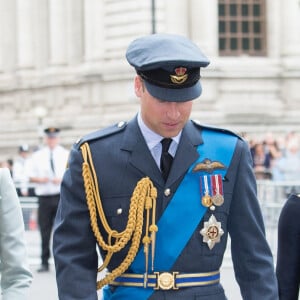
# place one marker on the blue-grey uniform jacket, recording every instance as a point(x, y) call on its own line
point(121, 158)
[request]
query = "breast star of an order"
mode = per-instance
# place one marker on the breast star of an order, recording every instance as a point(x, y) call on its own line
point(212, 232)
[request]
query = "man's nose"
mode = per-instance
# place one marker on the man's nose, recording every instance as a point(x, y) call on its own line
point(173, 111)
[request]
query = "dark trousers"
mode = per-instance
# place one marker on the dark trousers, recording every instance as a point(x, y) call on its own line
point(46, 214)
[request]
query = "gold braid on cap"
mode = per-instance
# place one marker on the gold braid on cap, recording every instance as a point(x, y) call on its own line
point(143, 198)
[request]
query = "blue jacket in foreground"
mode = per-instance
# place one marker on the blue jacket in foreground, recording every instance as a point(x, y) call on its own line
point(288, 254)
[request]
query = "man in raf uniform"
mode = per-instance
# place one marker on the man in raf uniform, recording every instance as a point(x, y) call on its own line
point(160, 194)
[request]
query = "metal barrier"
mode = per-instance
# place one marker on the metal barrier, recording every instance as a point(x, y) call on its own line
point(29, 204)
point(29, 207)
point(271, 195)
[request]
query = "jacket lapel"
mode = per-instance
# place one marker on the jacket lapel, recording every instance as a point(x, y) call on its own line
point(186, 152)
point(142, 160)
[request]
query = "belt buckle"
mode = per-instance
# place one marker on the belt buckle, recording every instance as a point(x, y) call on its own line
point(165, 281)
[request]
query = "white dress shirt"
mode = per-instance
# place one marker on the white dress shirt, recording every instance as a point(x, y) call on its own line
point(153, 141)
point(39, 166)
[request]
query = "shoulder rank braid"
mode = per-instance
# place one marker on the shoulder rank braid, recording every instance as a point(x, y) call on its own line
point(143, 199)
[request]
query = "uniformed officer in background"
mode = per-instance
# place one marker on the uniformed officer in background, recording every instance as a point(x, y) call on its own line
point(19, 173)
point(46, 169)
point(160, 194)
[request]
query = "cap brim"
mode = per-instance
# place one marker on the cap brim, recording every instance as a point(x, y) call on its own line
point(174, 95)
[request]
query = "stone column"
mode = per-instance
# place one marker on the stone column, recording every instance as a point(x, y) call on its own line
point(290, 53)
point(290, 36)
point(273, 28)
point(41, 33)
point(8, 48)
point(25, 36)
point(66, 31)
point(94, 30)
point(58, 31)
point(176, 17)
point(204, 25)
point(74, 25)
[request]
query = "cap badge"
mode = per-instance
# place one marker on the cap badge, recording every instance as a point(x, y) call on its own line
point(180, 76)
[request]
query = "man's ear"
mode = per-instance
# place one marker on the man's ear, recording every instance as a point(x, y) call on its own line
point(138, 86)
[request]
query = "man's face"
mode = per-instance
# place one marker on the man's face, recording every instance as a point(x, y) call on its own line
point(163, 117)
point(52, 141)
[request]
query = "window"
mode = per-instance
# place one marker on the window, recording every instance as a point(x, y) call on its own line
point(242, 27)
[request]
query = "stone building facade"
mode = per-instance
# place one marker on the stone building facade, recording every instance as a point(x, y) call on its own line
point(62, 63)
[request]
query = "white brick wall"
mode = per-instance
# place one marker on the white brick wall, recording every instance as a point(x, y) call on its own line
point(77, 70)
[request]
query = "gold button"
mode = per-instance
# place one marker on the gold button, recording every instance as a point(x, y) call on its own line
point(167, 192)
point(119, 211)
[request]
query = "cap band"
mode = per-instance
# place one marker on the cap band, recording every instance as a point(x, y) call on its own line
point(163, 78)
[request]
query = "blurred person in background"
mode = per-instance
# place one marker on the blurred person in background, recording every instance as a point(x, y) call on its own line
point(264, 154)
point(287, 167)
point(272, 146)
point(46, 169)
point(261, 161)
point(15, 274)
point(19, 173)
point(8, 163)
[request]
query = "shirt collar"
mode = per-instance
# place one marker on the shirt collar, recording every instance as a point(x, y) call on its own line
point(151, 137)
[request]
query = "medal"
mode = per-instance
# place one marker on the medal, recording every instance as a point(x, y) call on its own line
point(218, 200)
point(206, 201)
point(212, 232)
point(217, 189)
point(206, 198)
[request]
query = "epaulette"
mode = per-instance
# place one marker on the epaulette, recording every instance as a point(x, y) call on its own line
point(101, 133)
point(211, 127)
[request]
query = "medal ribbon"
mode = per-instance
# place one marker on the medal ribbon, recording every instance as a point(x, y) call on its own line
point(205, 183)
point(217, 185)
point(181, 217)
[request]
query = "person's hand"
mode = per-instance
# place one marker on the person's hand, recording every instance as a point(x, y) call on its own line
point(44, 180)
point(259, 168)
point(24, 193)
point(56, 180)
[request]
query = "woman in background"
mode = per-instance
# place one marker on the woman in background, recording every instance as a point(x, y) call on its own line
point(288, 256)
point(15, 274)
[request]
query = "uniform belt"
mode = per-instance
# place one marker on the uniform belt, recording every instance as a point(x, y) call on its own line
point(167, 280)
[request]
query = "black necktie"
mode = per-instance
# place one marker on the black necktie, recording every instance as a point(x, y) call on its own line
point(166, 158)
point(52, 162)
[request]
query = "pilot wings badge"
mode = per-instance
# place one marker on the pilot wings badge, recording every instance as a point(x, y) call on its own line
point(209, 166)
